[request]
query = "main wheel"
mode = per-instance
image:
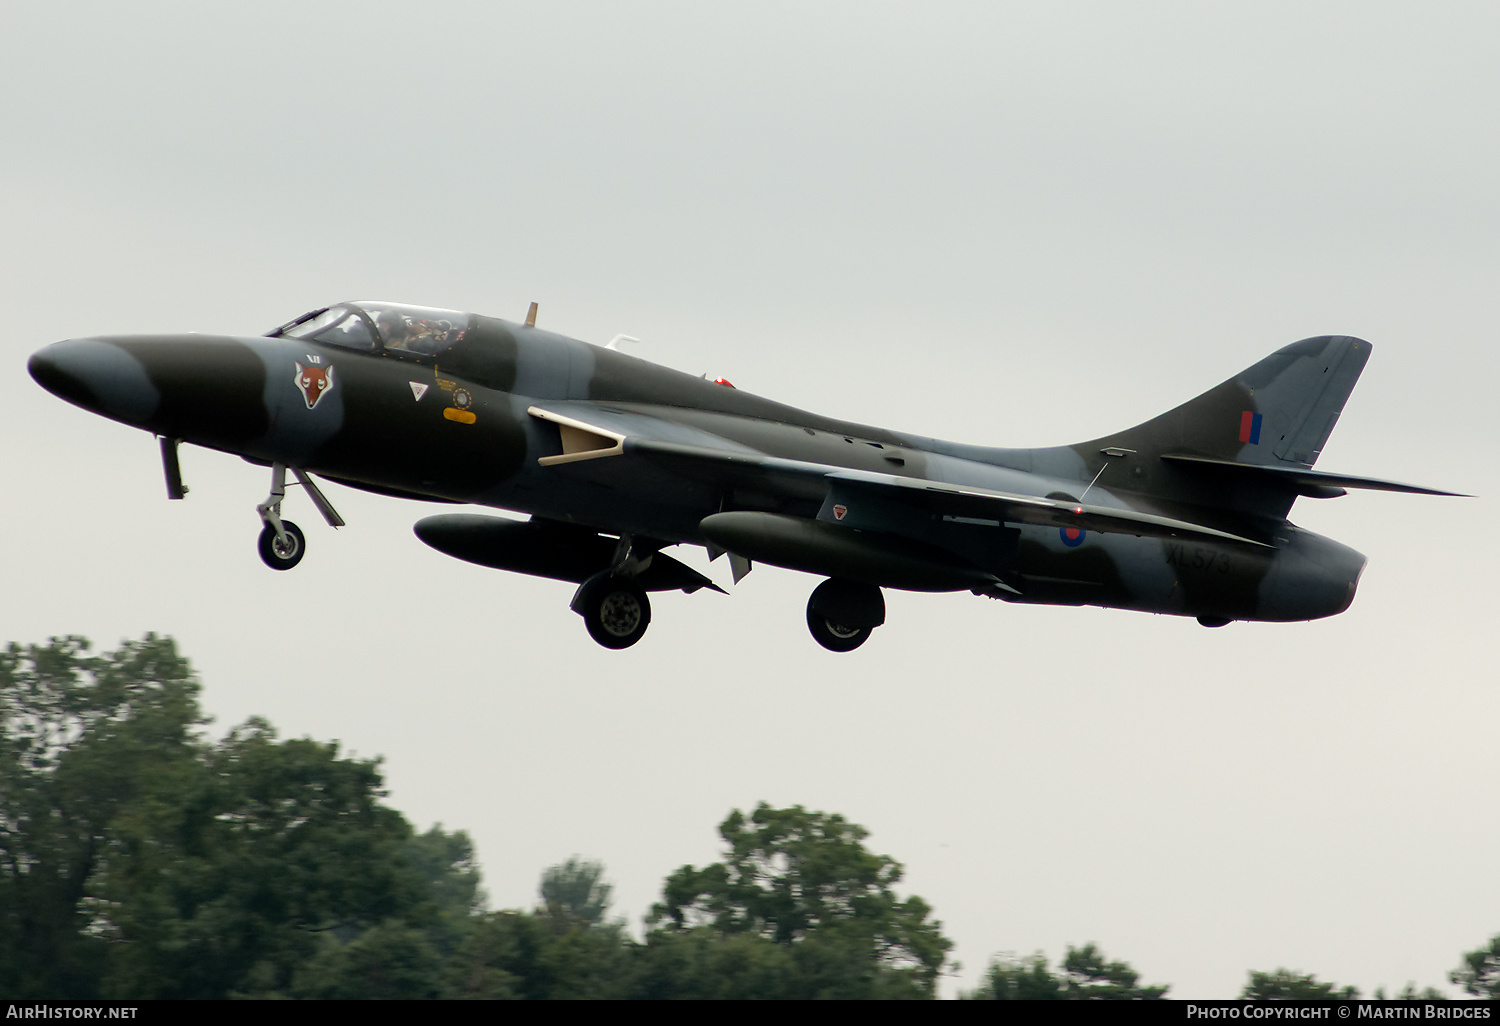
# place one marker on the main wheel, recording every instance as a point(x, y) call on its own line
point(835, 636)
point(616, 611)
point(279, 555)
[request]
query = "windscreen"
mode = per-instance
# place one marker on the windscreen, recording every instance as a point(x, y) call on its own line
point(341, 325)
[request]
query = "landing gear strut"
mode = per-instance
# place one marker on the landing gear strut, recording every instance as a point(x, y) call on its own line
point(282, 544)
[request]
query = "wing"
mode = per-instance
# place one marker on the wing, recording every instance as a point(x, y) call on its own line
point(589, 432)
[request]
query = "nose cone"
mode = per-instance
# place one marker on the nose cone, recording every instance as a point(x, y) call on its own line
point(97, 375)
point(200, 388)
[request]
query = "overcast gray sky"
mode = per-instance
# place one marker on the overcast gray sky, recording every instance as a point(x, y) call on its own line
point(1013, 224)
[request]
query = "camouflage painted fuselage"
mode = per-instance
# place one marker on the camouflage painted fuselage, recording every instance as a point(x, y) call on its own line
point(477, 422)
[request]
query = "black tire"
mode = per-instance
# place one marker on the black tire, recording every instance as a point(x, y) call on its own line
point(834, 636)
point(616, 611)
point(278, 556)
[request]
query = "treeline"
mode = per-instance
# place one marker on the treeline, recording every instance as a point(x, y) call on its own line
point(141, 859)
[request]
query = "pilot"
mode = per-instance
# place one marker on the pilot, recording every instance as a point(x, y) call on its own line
point(395, 330)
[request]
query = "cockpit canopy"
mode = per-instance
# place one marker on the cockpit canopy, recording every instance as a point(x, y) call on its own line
point(392, 328)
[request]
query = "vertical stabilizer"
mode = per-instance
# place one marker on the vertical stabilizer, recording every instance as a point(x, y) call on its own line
point(1278, 412)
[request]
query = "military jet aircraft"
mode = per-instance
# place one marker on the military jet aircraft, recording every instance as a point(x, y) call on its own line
point(616, 459)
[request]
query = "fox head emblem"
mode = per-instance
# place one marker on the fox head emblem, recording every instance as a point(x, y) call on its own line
point(315, 382)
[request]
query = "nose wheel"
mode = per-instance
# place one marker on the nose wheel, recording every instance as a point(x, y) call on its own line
point(282, 544)
point(614, 609)
point(285, 550)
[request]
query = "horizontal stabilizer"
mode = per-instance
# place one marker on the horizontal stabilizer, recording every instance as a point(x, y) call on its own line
point(1299, 480)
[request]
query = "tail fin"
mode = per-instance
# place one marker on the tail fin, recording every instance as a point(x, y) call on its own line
point(1278, 412)
point(1248, 445)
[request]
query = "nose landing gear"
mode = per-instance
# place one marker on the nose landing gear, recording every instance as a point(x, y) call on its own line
point(282, 544)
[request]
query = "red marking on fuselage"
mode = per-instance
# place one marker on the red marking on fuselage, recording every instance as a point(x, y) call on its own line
point(313, 382)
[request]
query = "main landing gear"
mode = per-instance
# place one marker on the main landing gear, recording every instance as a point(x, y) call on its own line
point(842, 614)
point(836, 637)
point(282, 544)
point(614, 607)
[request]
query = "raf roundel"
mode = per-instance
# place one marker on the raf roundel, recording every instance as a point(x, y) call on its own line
point(1072, 537)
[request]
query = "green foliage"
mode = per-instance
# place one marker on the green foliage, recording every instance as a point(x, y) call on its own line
point(229, 884)
point(138, 860)
point(1084, 976)
point(521, 955)
point(1284, 985)
point(141, 860)
point(803, 882)
point(1479, 973)
point(705, 964)
point(575, 894)
point(1012, 978)
point(390, 961)
point(1411, 993)
point(1091, 978)
point(85, 742)
point(565, 950)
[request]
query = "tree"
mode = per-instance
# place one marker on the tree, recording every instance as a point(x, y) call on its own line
point(1084, 976)
point(1020, 979)
point(1284, 985)
point(803, 882)
point(574, 893)
point(1090, 977)
point(228, 885)
point(1479, 973)
point(1411, 993)
point(565, 949)
point(140, 860)
point(84, 742)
